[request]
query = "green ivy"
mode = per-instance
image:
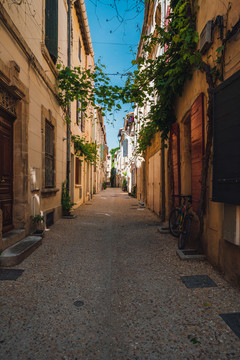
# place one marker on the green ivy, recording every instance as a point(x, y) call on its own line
point(91, 87)
point(84, 148)
point(167, 74)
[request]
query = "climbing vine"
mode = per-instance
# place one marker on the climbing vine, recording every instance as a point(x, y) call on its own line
point(91, 87)
point(82, 147)
point(158, 82)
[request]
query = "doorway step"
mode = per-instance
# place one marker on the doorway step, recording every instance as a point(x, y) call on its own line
point(11, 237)
point(16, 253)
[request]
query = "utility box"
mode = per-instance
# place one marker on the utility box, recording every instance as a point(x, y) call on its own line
point(206, 37)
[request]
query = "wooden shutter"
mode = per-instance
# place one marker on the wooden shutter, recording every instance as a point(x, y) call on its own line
point(78, 174)
point(197, 148)
point(49, 155)
point(125, 147)
point(175, 156)
point(51, 28)
point(226, 141)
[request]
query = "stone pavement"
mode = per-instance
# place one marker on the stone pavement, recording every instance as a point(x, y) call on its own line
point(106, 286)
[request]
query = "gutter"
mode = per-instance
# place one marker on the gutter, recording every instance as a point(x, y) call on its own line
point(84, 26)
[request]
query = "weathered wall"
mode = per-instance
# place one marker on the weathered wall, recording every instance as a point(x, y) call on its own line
point(21, 41)
point(220, 252)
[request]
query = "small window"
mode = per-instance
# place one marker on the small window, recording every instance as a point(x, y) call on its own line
point(79, 50)
point(78, 114)
point(125, 148)
point(82, 121)
point(51, 28)
point(78, 172)
point(49, 155)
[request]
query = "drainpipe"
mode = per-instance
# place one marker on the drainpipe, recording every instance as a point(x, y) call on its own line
point(69, 24)
point(163, 180)
point(162, 146)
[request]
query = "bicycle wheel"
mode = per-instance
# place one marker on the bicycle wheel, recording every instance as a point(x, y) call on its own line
point(184, 235)
point(175, 222)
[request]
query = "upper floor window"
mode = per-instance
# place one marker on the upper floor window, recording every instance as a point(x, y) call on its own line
point(79, 50)
point(49, 154)
point(51, 28)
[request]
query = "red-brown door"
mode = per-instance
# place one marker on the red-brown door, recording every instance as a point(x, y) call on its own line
point(197, 148)
point(6, 172)
point(175, 153)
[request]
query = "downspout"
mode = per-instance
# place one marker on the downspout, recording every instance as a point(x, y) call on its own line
point(162, 146)
point(163, 180)
point(69, 24)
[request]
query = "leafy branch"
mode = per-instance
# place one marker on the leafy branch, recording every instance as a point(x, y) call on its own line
point(84, 148)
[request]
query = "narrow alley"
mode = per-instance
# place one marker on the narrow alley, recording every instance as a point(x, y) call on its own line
point(107, 286)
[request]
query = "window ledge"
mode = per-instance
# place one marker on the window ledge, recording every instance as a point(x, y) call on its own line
point(48, 59)
point(49, 192)
point(78, 186)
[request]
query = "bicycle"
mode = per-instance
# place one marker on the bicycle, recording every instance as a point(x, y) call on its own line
point(180, 220)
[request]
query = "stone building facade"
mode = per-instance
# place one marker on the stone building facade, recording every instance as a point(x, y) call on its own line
point(33, 130)
point(178, 168)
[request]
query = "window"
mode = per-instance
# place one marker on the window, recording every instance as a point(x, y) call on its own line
point(79, 49)
point(175, 159)
point(51, 28)
point(78, 114)
point(197, 149)
point(125, 147)
point(78, 172)
point(49, 155)
point(82, 121)
point(226, 141)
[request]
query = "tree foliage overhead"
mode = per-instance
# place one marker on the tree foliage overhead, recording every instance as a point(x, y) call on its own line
point(86, 149)
point(156, 82)
point(159, 81)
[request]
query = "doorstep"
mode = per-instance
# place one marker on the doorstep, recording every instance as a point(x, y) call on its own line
point(190, 254)
point(13, 236)
point(16, 253)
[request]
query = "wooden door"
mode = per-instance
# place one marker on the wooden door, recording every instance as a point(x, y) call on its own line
point(6, 172)
point(197, 148)
point(156, 182)
point(175, 154)
point(150, 183)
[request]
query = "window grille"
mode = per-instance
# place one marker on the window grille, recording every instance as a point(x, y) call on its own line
point(49, 155)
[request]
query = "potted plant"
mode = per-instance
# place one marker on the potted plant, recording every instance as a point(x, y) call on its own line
point(66, 202)
point(38, 221)
point(124, 184)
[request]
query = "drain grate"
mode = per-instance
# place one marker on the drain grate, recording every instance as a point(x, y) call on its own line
point(78, 303)
point(233, 321)
point(198, 281)
point(10, 274)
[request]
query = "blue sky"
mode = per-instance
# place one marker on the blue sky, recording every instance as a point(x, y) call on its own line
point(115, 40)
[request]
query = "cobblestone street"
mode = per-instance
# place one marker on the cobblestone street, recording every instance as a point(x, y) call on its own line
point(107, 286)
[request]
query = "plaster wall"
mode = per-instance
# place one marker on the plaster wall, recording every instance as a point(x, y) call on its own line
point(220, 252)
point(21, 36)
